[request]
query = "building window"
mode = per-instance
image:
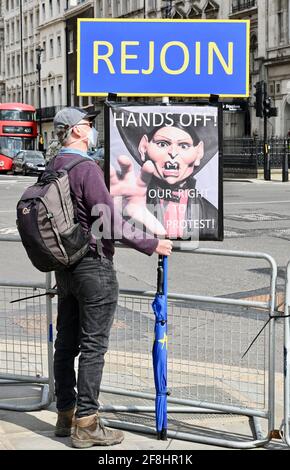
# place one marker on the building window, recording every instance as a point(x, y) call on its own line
point(211, 10)
point(278, 88)
point(33, 97)
point(60, 94)
point(31, 61)
point(7, 5)
point(253, 52)
point(127, 6)
point(8, 33)
point(12, 33)
point(8, 67)
point(70, 41)
point(13, 66)
point(43, 12)
point(50, 9)
point(25, 27)
point(19, 97)
point(194, 12)
point(52, 95)
point(37, 18)
point(26, 96)
point(18, 65)
point(118, 8)
point(44, 97)
point(18, 29)
point(51, 48)
point(239, 5)
point(282, 21)
point(31, 24)
point(44, 51)
point(58, 6)
point(178, 14)
point(25, 62)
point(72, 92)
point(58, 46)
point(151, 4)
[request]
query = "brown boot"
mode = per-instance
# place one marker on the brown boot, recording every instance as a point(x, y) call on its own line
point(64, 423)
point(89, 431)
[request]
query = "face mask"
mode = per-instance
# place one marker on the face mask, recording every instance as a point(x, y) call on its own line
point(92, 138)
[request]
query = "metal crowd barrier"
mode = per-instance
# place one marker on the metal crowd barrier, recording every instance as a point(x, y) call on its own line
point(207, 337)
point(285, 426)
point(26, 340)
point(206, 372)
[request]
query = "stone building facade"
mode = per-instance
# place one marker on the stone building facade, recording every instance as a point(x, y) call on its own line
point(51, 24)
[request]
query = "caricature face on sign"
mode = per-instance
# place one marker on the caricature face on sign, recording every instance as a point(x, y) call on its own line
point(173, 153)
point(165, 167)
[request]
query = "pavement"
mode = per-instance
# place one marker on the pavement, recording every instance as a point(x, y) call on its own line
point(245, 200)
point(35, 431)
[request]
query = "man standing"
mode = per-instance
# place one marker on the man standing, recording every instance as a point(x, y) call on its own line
point(87, 291)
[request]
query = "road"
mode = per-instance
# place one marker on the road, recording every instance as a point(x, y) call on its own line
point(257, 218)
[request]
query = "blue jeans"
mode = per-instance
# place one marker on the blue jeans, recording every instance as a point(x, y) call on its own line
point(87, 300)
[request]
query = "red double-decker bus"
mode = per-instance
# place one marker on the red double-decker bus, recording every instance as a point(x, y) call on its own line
point(18, 131)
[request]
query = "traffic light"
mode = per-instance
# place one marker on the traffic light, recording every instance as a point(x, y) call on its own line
point(269, 111)
point(263, 102)
point(273, 112)
point(259, 104)
point(267, 106)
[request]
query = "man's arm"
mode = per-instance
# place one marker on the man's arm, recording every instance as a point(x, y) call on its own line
point(108, 220)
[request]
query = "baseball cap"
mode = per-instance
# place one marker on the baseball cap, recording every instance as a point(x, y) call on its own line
point(69, 117)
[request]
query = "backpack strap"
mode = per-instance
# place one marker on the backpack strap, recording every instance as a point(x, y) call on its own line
point(67, 168)
point(72, 164)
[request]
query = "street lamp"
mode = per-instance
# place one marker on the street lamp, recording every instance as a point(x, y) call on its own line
point(39, 50)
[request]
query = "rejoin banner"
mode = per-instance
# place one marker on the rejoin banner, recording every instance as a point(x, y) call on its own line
point(165, 169)
point(163, 57)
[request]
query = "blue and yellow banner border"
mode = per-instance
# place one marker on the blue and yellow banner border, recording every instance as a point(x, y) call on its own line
point(156, 20)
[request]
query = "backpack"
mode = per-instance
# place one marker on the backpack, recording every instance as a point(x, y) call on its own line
point(50, 233)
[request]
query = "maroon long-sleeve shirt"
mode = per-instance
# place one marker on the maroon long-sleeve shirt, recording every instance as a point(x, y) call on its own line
point(89, 189)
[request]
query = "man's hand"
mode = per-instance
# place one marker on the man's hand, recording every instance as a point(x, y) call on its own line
point(134, 190)
point(164, 247)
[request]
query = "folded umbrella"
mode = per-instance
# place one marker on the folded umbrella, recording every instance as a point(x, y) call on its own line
point(159, 352)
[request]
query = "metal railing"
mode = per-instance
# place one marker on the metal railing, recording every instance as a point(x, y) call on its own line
point(206, 371)
point(240, 5)
point(247, 153)
point(48, 112)
point(207, 337)
point(26, 341)
point(285, 426)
